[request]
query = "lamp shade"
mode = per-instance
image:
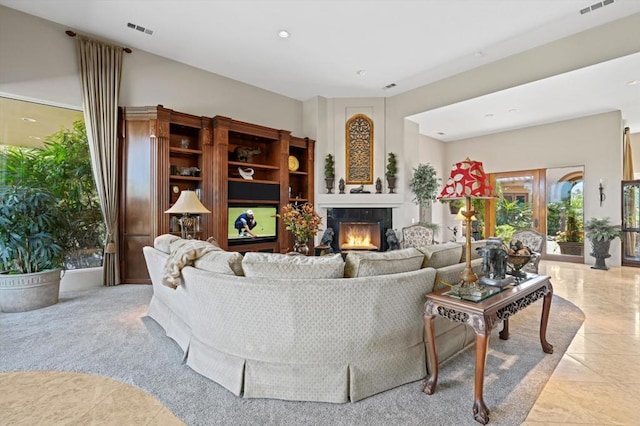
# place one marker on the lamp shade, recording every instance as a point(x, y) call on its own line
point(467, 179)
point(188, 202)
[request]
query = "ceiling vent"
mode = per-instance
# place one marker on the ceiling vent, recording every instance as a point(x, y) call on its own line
point(596, 6)
point(389, 86)
point(140, 28)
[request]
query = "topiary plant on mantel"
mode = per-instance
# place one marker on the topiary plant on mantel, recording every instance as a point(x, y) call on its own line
point(392, 172)
point(329, 173)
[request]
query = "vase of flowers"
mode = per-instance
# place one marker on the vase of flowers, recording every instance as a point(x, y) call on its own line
point(304, 224)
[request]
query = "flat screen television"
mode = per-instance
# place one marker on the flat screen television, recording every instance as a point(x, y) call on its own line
point(266, 224)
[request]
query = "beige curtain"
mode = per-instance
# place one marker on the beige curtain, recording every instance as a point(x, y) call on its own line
point(100, 72)
point(627, 170)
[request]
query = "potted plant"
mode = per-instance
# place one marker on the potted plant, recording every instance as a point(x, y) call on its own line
point(424, 184)
point(32, 248)
point(392, 171)
point(571, 239)
point(329, 173)
point(601, 232)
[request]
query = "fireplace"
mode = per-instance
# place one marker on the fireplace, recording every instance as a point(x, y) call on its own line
point(359, 236)
point(359, 222)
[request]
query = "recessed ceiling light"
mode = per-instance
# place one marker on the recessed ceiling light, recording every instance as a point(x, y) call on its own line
point(479, 54)
point(488, 115)
point(29, 120)
point(35, 137)
point(633, 82)
point(361, 72)
point(513, 109)
point(389, 86)
point(441, 133)
point(283, 34)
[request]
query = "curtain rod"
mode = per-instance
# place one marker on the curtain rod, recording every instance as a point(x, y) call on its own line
point(72, 34)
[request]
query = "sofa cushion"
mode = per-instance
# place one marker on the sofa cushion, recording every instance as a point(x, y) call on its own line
point(366, 264)
point(275, 265)
point(222, 262)
point(163, 242)
point(440, 255)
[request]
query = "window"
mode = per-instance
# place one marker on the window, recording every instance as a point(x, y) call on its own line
point(46, 146)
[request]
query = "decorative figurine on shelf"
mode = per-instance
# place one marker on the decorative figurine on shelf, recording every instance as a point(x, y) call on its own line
point(245, 154)
point(246, 173)
point(392, 240)
point(327, 240)
point(378, 186)
point(359, 190)
point(341, 186)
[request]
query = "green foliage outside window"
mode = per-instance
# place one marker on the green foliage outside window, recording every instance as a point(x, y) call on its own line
point(63, 168)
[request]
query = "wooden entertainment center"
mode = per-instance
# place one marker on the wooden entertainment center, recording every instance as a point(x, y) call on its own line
point(163, 152)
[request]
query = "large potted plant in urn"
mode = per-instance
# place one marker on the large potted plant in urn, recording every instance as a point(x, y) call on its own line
point(33, 243)
point(600, 232)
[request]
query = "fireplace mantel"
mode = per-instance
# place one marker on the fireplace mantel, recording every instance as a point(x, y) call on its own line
point(358, 200)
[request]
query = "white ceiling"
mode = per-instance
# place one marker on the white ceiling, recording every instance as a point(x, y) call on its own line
point(406, 42)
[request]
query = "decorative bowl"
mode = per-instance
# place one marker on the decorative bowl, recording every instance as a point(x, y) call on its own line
point(517, 262)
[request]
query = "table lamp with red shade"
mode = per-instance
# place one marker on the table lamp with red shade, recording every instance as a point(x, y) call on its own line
point(467, 181)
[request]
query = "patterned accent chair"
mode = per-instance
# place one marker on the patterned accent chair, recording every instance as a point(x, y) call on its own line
point(417, 236)
point(535, 241)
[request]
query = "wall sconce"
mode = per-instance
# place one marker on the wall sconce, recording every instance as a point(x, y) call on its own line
point(601, 190)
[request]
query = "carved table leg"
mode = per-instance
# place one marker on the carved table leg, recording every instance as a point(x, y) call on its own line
point(546, 347)
point(504, 334)
point(480, 410)
point(429, 384)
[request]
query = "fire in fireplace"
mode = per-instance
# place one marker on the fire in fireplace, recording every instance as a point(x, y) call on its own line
point(359, 235)
point(379, 218)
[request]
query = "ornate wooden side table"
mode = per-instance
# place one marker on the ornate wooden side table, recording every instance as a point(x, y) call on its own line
point(483, 316)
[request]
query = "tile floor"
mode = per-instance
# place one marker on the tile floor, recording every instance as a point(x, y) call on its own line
point(596, 383)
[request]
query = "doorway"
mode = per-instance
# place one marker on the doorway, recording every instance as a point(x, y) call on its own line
point(549, 201)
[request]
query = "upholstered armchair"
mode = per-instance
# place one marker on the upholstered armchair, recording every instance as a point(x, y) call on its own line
point(416, 236)
point(535, 241)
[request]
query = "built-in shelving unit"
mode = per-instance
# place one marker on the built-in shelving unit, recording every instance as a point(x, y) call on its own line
point(164, 152)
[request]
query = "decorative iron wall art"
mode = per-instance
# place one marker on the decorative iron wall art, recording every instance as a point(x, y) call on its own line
point(359, 140)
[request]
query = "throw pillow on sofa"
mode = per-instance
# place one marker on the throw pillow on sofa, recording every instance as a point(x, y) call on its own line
point(440, 255)
point(367, 264)
point(275, 265)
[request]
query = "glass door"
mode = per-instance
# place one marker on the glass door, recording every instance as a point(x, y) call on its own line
point(631, 223)
point(518, 205)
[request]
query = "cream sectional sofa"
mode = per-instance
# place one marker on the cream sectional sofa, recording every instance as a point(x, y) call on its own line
point(306, 328)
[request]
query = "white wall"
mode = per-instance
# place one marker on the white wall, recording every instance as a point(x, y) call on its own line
point(38, 62)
